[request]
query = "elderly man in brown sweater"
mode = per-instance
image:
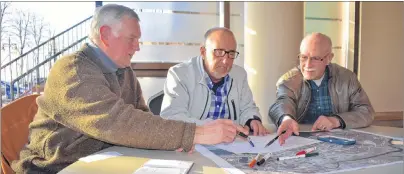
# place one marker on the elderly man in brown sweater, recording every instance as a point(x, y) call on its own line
point(92, 101)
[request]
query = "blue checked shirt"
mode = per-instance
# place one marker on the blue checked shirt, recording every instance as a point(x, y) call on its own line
point(320, 103)
point(218, 100)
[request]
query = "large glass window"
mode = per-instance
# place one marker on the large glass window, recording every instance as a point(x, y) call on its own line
point(172, 31)
point(327, 18)
point(237, 26)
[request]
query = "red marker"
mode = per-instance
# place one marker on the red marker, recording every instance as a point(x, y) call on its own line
point(306, 151)
point(252, 163)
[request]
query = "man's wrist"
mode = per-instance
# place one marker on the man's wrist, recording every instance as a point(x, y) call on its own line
point(340, 121)
point(198, 134)
point(283, 118)
point(248, 123)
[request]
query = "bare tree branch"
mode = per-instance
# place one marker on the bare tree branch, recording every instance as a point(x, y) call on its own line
point(20, 29)
point(51, 34)
point(37, 31)
point(4, 6)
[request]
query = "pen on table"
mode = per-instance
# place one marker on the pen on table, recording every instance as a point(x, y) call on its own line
point(248, 138)
point(306, 151)
point(252, 163)
point(265, 158)
point(297, 156)
point(273, 140)
point(397, 142)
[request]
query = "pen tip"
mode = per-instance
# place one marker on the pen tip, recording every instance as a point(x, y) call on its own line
point(251, 143)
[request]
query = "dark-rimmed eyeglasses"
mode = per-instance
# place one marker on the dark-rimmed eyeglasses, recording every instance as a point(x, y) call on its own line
point(221, 53)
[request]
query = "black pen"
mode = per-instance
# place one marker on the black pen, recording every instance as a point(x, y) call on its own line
point(273, 140)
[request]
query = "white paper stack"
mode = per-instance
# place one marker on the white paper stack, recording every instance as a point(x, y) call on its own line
point(157, 166)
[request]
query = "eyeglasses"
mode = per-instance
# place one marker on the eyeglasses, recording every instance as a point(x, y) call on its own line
point(304, 58)
point(221, 53)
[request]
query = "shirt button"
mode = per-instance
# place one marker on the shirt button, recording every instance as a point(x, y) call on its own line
point(318, 90)
point(319, 107)
point(217, 105)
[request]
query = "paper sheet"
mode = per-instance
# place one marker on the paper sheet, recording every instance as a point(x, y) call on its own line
point(155, 170)
point(157, 166)
point(227, 167)
point(242, 146)
point(100, 156)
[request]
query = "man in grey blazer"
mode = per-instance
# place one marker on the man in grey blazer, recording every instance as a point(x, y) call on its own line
point(210, 87)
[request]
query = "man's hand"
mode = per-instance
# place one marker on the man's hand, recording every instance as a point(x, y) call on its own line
point(258, 128)
point(189, 152)
point(325, 123)
point(218, 131)
point(290, 126)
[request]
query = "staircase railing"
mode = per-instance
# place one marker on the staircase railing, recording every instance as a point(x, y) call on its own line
point(41, 55)
point(30, 81)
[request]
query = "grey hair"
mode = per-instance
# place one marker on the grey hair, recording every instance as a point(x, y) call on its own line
point(110, 15)
point(214, 29)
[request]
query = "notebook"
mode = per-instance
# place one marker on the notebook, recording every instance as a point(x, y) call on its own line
point(157, 166)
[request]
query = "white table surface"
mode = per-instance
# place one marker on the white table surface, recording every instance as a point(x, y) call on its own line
point(132, 158)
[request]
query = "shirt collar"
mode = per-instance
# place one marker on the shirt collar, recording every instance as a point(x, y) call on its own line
point(205, 79)
point(109, 65)
point(325, 77)
point(211, 84)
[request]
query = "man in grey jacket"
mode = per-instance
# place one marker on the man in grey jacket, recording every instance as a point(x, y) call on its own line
point(210, 87)
point(319, 92)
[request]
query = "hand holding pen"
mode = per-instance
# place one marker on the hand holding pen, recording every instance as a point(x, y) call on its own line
point(290, 126)
point(217, 131)
point(273, 140)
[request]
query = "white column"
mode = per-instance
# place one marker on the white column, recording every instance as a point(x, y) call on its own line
point(381, 55)
point(273, 32)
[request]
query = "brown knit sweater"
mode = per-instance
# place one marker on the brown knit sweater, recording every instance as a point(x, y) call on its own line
point(84, 110)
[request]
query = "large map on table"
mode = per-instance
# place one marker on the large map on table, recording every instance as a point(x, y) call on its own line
point(369, 150)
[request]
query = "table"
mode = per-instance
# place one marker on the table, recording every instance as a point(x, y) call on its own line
point(133, 158)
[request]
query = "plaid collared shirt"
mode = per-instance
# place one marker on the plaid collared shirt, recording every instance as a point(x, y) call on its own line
point(320, 103)
point(218, 99)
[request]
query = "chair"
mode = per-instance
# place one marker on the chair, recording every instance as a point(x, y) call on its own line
point(15, 119)
point(155, 101)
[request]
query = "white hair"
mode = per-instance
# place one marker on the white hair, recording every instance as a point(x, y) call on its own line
point(109, 15)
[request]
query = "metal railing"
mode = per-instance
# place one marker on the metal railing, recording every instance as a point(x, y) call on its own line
point(33, 79)
point(19, 71)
